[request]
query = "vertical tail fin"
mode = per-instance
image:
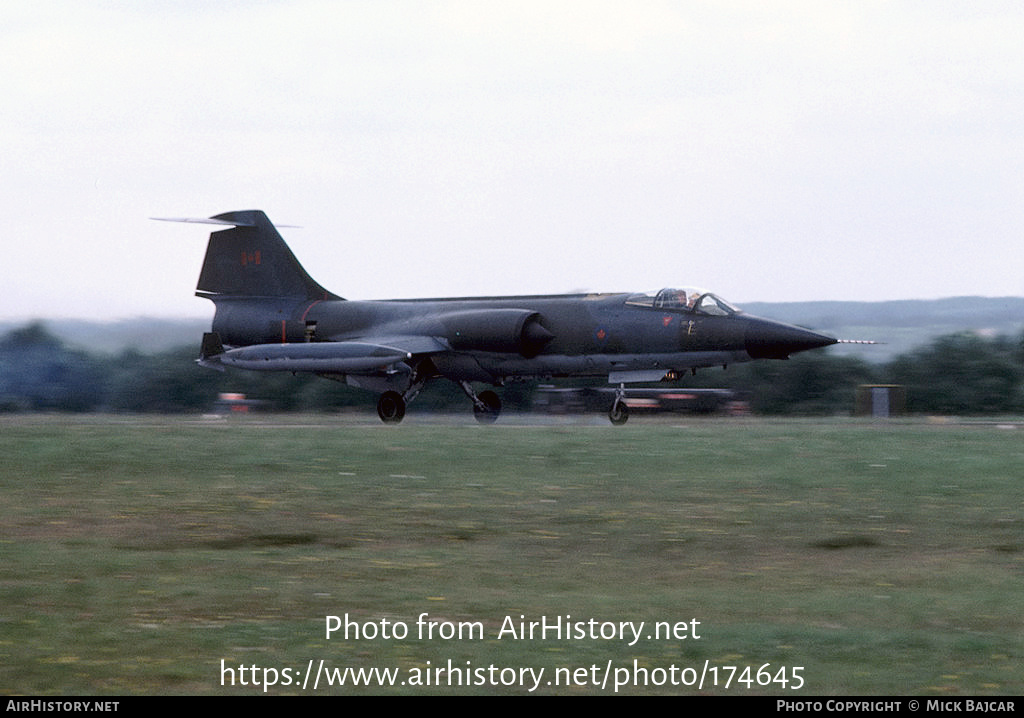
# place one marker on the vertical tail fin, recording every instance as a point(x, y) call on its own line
point(252, 260)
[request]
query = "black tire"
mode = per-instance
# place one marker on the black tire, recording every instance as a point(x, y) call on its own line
point(619, 413)
point(493, 403)
point(391, 407)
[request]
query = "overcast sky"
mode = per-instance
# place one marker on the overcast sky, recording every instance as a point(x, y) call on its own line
point(770, 151)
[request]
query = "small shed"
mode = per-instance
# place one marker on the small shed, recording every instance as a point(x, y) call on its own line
point(881, 400)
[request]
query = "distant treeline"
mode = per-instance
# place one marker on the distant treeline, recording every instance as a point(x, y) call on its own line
point(955, 374)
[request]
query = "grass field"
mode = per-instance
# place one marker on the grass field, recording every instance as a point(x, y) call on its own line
point(139, 553)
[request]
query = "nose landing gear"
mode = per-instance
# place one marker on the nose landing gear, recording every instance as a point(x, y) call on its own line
point(619, 413)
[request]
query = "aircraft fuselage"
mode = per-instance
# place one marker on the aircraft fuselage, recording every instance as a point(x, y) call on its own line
point(272, 316)
point(590, 335)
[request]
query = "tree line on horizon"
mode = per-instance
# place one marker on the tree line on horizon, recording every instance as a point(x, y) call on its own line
point(962, 373)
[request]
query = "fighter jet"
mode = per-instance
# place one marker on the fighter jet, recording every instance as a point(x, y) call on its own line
point(272, 316)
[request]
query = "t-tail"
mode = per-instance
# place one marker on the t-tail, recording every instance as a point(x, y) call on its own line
point(252, 260)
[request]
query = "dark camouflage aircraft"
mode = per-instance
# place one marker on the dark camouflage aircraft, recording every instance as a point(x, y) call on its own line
point(272, 316)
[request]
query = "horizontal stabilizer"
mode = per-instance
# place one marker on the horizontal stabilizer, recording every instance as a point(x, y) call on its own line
point(237, 222)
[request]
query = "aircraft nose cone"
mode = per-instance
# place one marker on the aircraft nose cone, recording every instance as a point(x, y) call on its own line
point(766, 339)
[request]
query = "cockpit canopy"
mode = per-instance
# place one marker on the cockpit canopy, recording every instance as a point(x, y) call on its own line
point(687, 299)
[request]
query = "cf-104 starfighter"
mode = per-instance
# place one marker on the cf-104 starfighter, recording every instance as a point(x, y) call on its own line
point(272, 316)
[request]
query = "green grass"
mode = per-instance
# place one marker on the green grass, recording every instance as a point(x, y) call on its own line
point(138, 553)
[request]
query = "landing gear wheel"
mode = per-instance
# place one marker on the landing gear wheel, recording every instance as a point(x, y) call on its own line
point(619, 413)
point(391, 407)
point(488, 414)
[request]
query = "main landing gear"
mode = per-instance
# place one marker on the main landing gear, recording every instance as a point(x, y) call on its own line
point(486, 405)
point(391, 407)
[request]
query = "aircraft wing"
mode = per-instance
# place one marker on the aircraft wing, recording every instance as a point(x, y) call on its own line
point(410, 343)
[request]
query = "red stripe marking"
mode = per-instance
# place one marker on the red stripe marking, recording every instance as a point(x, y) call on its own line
point(306, 313)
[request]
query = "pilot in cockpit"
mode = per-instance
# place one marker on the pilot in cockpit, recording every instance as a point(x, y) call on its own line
point(671, 299)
